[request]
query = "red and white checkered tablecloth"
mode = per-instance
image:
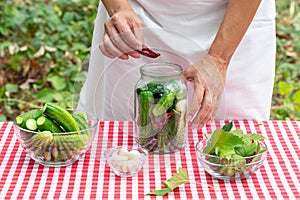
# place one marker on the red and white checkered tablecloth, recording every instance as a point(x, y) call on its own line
point(91, 177)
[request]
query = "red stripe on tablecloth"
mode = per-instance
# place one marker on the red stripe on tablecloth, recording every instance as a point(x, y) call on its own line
point(16, 175)
point(5, 146)
point(107, 171)
point(209, 178)
point(232, 183)
point(271, 162)
point(12, 155)
point(37, 181)
point(119, 133)
point(72, 179)
point(187, 187)
point(262, 169)
point(244, 182)
point(48, 183)
point(97, 161)
point(60, 182)
point(196, 167)
point(84, 173)
point(29, 169)
point(293, 142)
point(289, 155)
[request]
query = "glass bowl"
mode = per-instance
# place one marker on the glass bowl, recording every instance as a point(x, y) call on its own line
point(57, 149)
point(230, 169)
point(126, 162)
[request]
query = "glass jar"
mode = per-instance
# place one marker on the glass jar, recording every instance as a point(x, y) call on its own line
point(160, 108)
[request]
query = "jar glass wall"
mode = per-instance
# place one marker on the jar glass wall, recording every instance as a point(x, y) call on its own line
point(160, 108)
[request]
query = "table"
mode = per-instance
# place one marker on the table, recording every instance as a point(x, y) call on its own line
point(91, 177)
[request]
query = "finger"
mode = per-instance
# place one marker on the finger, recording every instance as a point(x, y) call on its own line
point(117, 37)
point(206, 110)
point(134, 54)
point(104, 51)
point(129, 37)
point(111, 48)
point(139, 34)
point(196, 103)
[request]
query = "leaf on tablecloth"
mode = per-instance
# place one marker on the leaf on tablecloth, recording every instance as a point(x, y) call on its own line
point(160, 192)
point(179, 178)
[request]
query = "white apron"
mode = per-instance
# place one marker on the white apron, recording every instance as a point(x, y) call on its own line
point(182, 31)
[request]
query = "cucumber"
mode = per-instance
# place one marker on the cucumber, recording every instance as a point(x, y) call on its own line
point(146, 101)
point(81, 120)
point(32, 114)
point(61, 116)
point(31, 124)
point(165, 102)
point(45, 124)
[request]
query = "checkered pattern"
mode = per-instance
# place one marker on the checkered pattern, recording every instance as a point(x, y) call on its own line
point(91, 177)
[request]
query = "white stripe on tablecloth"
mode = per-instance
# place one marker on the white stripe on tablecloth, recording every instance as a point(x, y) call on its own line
point(146, 174)
point(2, 144)
point(292, 150)
point(31, 181)
point(65, 183)
point(287, 163)
point(112, 175)
point(12, 172)
point(250, 180)
point(178, 164)
point(14, 166)
point(4, 136)
point(93, 156)
point(76, 186)
point(262, 184)
point(54, 182)
point(294, 134)
point(277, 165)
point(20, 180)
point(100, 156)
point(190, 169)
point(42, 182)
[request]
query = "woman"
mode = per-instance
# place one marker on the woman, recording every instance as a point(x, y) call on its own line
point(227, 48)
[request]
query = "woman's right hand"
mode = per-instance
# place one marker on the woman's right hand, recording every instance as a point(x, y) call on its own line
point(123, 35)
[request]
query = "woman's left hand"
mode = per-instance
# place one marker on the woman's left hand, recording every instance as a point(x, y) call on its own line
point(208, 76)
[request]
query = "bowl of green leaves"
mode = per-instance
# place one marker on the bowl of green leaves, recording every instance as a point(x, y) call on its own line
point(231, 154)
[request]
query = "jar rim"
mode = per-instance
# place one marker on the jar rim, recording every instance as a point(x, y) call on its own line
point(161, 69)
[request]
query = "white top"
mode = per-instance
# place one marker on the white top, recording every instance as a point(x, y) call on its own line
point(182, 31)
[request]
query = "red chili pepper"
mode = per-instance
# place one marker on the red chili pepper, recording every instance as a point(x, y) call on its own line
point(148, 52)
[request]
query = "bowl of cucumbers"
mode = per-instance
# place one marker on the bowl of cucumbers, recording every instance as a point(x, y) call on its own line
point(54, 136)
point(231, 155)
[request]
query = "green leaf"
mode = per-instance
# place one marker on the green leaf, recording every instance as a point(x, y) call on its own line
point(11, 87)
point(181, 177)
point(2, 118)
point(228, 127)
point(254, 136)
point(160, 192)
point(284, 88)
point(59, 83)
point(225, 141)
point(296, 97)
point(248, 149)
point(45, 95)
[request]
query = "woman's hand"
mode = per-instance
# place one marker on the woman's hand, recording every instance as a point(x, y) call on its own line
point(208, 76)
point(123, 35)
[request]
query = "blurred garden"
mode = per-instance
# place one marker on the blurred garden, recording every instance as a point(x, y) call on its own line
point(44, 48)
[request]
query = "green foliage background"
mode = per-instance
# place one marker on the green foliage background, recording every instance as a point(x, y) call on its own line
point(43, 43)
